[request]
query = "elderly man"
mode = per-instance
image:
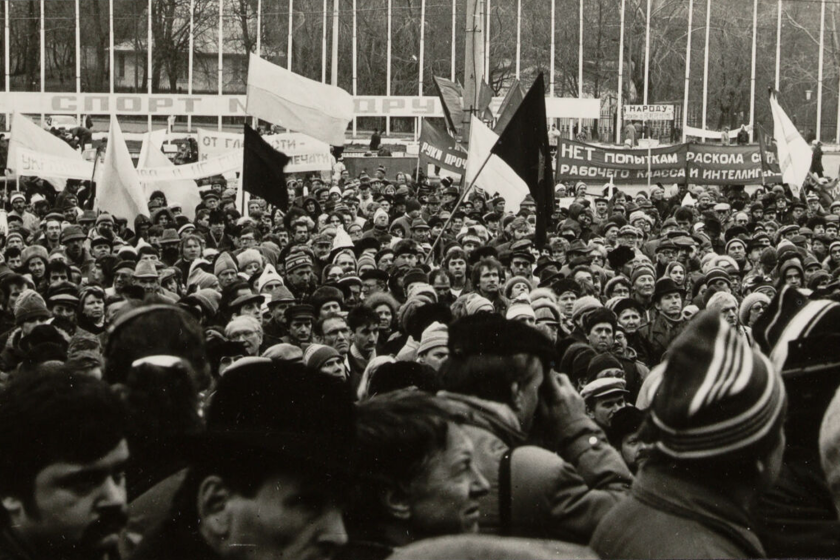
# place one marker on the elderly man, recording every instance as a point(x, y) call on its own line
point(248, 331)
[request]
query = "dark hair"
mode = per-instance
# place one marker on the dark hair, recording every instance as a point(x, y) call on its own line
point(12, 252)
point(216, 217)
point(487, 262)
point(9, 281)
point(142, 330)
point(398, 434)
point(49, 417)
point(57, 266)
point(318, 327)
point(362, 316)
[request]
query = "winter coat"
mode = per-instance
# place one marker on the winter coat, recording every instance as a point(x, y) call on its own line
point(671, 515)
point(660, 333)
point(549, 495)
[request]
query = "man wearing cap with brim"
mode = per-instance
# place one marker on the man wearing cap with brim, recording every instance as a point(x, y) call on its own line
point(300, 319)
point(716, 422)
point(73, 240)
point(62, 301)
point(18, 202)
point(604, 397)
point(276, 326)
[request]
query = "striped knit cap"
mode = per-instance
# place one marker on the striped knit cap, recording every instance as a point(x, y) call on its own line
point(717, 395)
point(792, 317)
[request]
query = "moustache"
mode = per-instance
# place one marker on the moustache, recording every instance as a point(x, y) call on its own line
point(110, 521)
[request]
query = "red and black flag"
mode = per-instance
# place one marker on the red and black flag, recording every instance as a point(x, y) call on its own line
point(523, 145)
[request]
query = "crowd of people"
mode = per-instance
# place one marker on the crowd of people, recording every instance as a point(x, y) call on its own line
point(391, 368)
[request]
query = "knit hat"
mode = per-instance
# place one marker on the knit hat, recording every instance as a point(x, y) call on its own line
point(30, 306)
point(584, 304)
point(604, 365)
point(269, 275)
point(297, 260)
point(717, 395)
point(317, 355)
point(224, 262)
point(546, 311)
point(642, 271)
point(209, 299)
point(201, 279)
point(575, 361)
point(435, 336)
point(247, 257)
point(520, 307)
point(479, 303)
point(747, 304)
point(516, 280)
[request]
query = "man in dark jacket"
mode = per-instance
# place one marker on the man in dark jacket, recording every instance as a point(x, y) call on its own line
point(668, 323)
point(266, 477)
point(63, 487)
point(716, 421)
point(498, 378)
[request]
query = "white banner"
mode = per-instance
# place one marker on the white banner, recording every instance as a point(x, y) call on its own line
point(29, 163)
point(712, 134)
point(219, 165)
point(648, 112)
point(305, 153)
point(164, 105)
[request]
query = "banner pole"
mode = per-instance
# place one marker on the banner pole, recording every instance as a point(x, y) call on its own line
point(688, 70)
point(457, 205)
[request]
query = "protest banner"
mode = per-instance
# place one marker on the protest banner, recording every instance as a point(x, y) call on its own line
point(726, 165)
point(438, 148)
point(703, 164)
point(577, 161)
point(219, 165)
point(305, 153)
point(40, 164)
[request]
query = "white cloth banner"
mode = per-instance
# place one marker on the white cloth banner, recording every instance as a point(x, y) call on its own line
point(497, 176)
point(26, 134)
point(712, 134)
point(305, 153)
point(282, 97)
point(183, 193)
point(648, 112)
point(793, 151)
point(29, 163)
point(231, 161)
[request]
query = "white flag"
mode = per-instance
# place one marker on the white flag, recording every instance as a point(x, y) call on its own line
point(28, 135)
point(282, 97)
point(118, 189)
point(497, 176)
point(183, 193)
point(794, 153)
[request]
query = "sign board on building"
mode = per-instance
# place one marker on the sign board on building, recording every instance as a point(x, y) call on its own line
point(36, 103)
point(648, 112)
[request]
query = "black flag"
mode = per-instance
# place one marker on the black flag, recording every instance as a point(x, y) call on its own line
point(262, 170)
point(523, 145)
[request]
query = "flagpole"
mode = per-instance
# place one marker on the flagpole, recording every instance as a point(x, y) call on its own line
point(619, 119)
point(190, 59)
point(487, 42)
point(647, 54)
point(355, 63)
point(78, 34)
point(580, 61)
point(752, 71)
point(220, 68)
point(837, 132)
point(149, 59)
point(457, 205)
point(388, 67)
point(324, 44)
point(453, 42)
point(551, 61)
point(259, 29)
point(334, 61)
point(7, 57)
point(43, 54)
point(778, 42)
point(687, 68)
point(289, 51)
point(518, 34)
point(706, 62)
point(111, 46)
point(419, 120)
point(820, 70)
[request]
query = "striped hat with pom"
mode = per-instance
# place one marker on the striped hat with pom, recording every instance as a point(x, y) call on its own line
point(717, 395)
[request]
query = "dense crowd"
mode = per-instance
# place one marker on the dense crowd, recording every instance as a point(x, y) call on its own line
point(393, 368)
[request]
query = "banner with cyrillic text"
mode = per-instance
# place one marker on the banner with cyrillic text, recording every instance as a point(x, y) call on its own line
point(219, 165)
point(438, 148)
point(305, 153)
point(704, 164)
point(30, 163)
point(648, 112)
